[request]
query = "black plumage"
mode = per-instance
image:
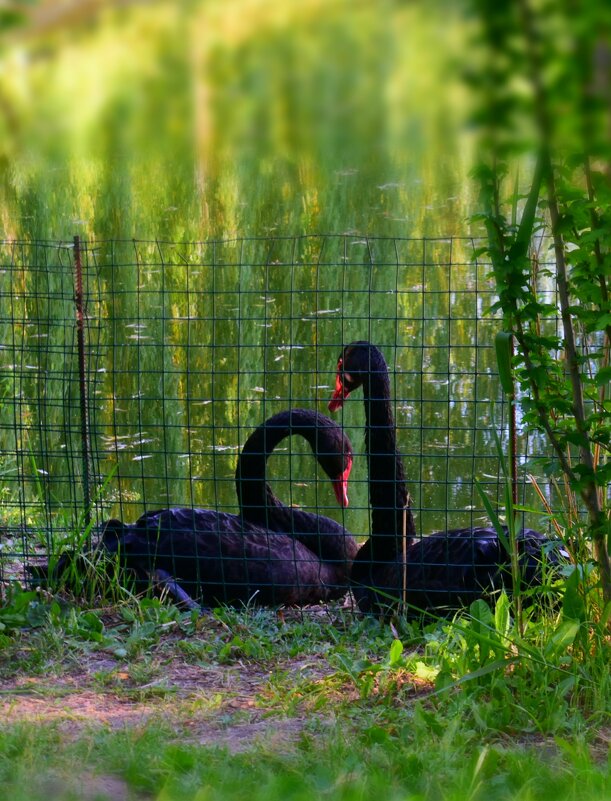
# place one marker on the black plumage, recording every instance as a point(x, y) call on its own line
point(269, 554)
point(447, 569)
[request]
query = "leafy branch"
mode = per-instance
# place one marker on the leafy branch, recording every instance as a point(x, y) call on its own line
point(545, 59)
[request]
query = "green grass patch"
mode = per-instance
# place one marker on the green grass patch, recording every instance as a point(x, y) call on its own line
point(142, 700)
point(413, 760)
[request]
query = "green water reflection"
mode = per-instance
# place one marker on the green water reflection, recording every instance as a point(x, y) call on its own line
point(199, 120)
point(189, 347)
point(216, 121)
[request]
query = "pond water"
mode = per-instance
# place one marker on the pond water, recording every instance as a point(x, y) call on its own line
point(247, 119)
point(320, 162)
point(189, 347)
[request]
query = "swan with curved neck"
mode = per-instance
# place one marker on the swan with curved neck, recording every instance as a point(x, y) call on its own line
point(297, 558)
point(445, 569)
point(258, 504)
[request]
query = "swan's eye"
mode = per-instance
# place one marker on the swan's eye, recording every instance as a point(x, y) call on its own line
point(347, 379)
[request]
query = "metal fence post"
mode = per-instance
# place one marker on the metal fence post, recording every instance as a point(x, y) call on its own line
point(80, 338)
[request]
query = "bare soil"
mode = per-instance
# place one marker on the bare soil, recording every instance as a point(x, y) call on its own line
point(209, 705)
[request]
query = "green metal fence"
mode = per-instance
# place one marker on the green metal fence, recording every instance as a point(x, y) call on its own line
point(137, 389)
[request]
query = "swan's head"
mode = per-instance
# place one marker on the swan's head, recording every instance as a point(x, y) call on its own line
point(358, 361)
point(335, 457)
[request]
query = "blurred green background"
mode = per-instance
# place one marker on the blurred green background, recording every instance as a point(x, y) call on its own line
point(187, 120)
point(219, 120)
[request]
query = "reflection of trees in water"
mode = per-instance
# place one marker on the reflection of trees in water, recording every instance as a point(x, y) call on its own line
point(191, 124)
point(191, 346)
point(219, 127)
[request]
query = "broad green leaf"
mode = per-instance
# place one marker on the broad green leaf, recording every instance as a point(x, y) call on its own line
point(503, 343)
point(561, 639)
point(603, 376)
point(527, 223)
point(502, 618)
point(396, 649)
point(573, 607)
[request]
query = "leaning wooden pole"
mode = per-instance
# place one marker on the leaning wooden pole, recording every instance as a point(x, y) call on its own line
point(84, 409)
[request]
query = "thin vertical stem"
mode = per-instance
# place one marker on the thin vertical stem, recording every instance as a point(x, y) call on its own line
point(513, 529)
point(513, 437)
point(80, 338)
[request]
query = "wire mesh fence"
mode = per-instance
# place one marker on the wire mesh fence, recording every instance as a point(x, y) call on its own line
point(132, 373)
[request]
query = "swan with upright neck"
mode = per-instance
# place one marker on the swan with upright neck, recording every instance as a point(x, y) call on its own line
point(447, 569)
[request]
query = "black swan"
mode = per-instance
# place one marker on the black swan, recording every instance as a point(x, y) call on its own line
point(268, 555)
point(447, 569)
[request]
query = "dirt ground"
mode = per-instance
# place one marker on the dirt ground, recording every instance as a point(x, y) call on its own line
point(217, 705)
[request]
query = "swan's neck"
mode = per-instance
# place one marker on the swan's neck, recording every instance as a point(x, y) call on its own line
point(255, 496)
point(390, 512)
point(323, 536)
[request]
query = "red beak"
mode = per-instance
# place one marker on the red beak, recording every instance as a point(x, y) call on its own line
point(339, 396)
point(340, 487)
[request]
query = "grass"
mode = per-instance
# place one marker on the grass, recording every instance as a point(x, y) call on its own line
point(141, 700)
point(138, 699)
point(412, 762)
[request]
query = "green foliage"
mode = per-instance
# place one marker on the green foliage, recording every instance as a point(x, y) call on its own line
point(549, 78)
point(545, 680)
point(24, 609)
point(34, 610)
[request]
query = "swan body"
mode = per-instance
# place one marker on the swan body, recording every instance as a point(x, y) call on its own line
point(268, 554)
point(446, 569)
point(221, 558)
